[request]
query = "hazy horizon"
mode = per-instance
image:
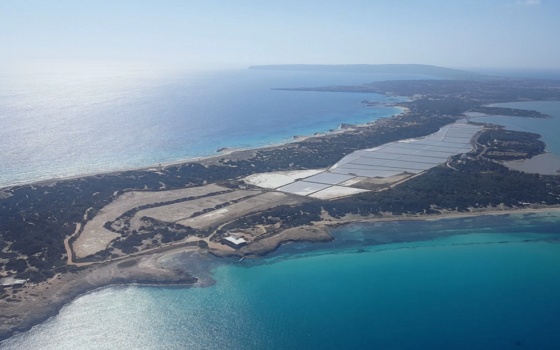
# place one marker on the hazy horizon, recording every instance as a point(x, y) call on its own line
point(495, 34)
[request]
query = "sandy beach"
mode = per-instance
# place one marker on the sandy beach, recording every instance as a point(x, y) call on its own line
point(226, 153)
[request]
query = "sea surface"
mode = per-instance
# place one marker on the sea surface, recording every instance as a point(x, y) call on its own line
point(65, 120)
point(471, 283)
point(549, 129)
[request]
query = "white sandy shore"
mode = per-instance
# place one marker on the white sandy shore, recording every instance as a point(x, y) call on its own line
point(225, 152)
point(443, 216)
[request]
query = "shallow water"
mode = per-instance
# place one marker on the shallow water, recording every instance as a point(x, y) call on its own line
point(64, 121)
point(545, 164)
point(476, 283)
point(547, 128)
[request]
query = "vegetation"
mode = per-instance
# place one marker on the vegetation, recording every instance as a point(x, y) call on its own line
point(483, 91)
point(35, 219)
point(500, 144)
point(510, 112)
point(420, 69)
point(474, 184)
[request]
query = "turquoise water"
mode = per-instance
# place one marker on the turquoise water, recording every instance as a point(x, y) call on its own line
point(476, 283)
point(548, 128)
point(484, 283)
point(65, 121)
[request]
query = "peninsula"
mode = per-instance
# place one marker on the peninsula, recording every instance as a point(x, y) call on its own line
point(63, 238)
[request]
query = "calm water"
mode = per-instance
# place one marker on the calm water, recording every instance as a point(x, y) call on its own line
point(495, 286)
point(548, 128)
point(484, 283)
point(62, 121)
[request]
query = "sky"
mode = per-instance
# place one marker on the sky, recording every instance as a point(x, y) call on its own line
point(506, 34)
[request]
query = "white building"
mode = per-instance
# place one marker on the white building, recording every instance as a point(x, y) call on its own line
point(234, 241)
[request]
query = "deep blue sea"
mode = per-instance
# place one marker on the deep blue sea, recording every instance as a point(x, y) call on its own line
point(476, 283)
point(58, 121)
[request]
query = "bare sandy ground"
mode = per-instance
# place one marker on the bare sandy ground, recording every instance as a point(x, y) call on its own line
point(335, 192)
point(95, 237)
point(234, 211)
point(184, 210)
point(353, 181)
point(385, 180)
point(277, 179)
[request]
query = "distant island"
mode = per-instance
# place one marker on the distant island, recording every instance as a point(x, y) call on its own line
point(62, 238)
point(409, 69)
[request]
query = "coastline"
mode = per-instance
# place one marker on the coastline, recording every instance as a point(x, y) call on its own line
point(222, 152)
point(91, 277)
point(173, 278)
point(232, 152)
point(266, 248)
point(64, 288)
point(456, 215)
point(145, 270)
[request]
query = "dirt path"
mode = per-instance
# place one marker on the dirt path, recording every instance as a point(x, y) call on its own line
point(67, 246)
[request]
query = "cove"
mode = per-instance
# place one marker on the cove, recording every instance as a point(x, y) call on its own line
point(480, 282)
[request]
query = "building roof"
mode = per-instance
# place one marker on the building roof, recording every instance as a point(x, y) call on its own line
point(236, 240)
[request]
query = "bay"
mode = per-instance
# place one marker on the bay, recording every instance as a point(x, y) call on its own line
point(483, 282)
point(547, 128)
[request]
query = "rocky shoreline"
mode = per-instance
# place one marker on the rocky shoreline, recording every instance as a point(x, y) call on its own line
point(24, 307)
point(260, 248)
point(45, 300)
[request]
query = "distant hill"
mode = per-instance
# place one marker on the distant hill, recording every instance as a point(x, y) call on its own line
point(413, 69)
